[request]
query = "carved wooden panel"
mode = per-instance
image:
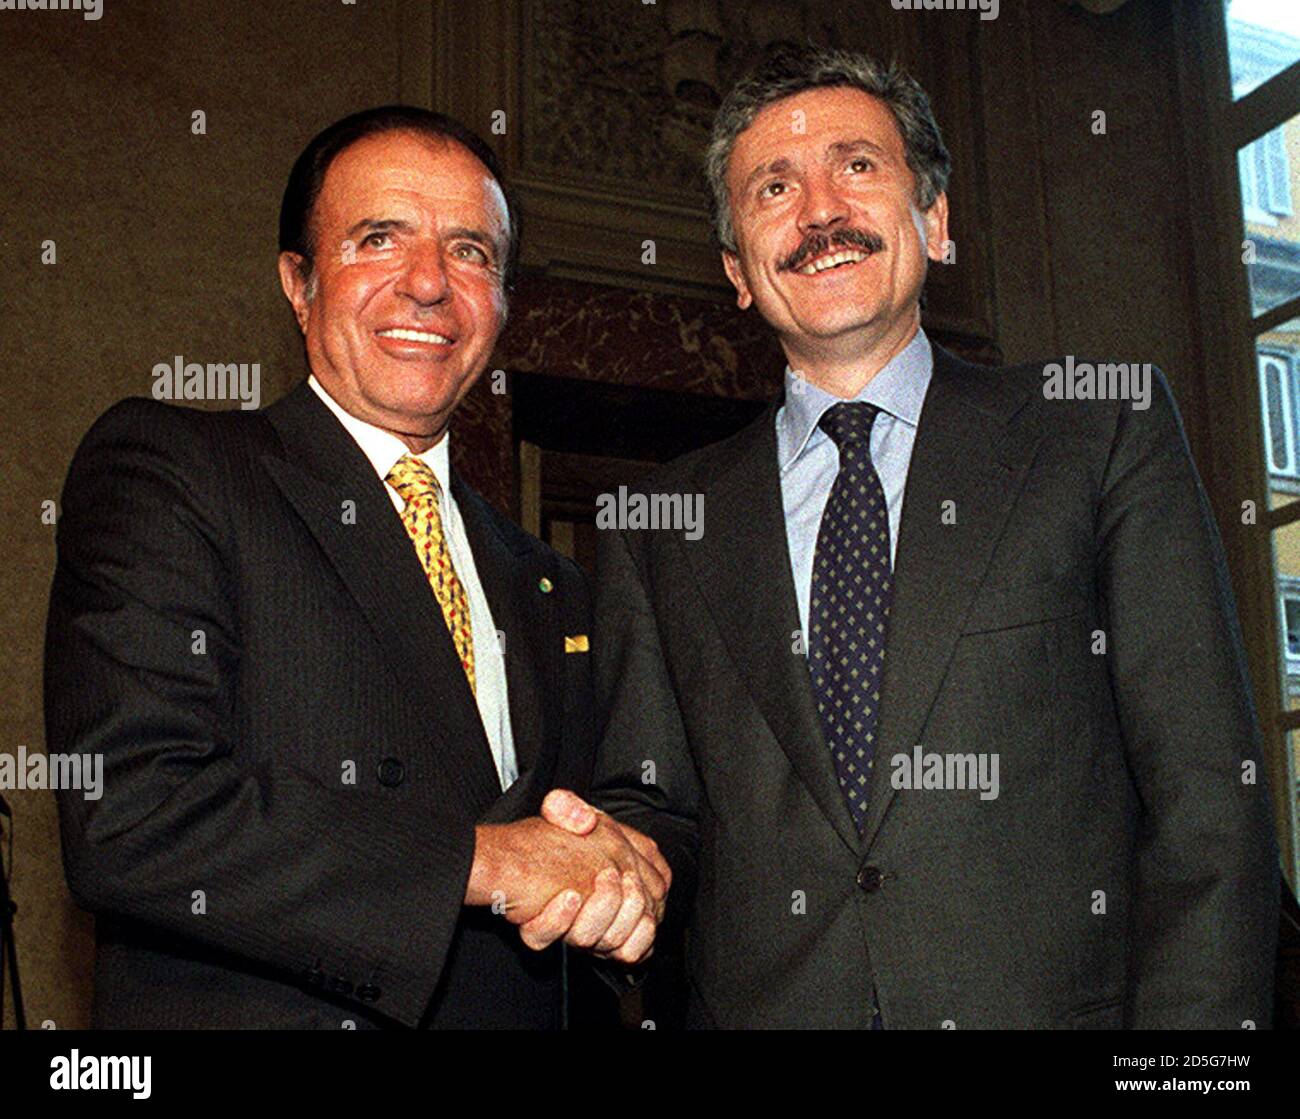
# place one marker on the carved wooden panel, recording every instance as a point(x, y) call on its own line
point(601, 112)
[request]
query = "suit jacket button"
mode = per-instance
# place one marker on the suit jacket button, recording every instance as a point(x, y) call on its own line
point(368, 992)
point(341, 985)
point(870, 879)
point(391, 773)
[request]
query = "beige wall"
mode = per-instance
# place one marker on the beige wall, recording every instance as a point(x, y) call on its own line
point(166, 245)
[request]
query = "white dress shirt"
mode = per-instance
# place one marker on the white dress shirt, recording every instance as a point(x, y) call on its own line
point(383, 449)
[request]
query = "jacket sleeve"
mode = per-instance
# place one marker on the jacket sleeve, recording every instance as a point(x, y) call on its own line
point(1205, 913)
point(644, 772)
point(189, 836)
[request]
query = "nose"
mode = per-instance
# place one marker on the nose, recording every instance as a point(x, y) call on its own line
point(823, 207)
point(424, 279)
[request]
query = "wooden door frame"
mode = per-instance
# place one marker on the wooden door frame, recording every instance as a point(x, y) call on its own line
point(1213, 127)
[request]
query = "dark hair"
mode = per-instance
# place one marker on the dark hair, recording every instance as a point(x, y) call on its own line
point(786, 70)
point(308, 174)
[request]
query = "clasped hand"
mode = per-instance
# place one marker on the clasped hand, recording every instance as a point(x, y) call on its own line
point(576, 873)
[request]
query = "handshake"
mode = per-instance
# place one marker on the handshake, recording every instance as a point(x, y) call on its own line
point(572, 873)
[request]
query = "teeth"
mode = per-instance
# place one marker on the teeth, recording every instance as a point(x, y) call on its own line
point(825, 262)
point(415, 336)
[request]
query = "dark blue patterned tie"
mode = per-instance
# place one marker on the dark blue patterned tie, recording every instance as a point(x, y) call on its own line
point(849, 608)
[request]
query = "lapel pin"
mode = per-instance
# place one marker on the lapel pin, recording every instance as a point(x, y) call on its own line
point(545, 585)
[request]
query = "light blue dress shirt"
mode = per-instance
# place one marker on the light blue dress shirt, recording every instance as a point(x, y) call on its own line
point(809, 460)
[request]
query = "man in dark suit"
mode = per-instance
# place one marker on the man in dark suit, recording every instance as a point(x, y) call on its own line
point(944, 721)
point(331, 685)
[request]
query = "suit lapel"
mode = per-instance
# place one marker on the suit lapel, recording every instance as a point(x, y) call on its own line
point(320, 470)
point(964, 453)
point(742, 565)
point(511, 570)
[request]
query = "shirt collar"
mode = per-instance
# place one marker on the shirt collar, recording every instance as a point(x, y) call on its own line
point(383, 448)
point(899, 389)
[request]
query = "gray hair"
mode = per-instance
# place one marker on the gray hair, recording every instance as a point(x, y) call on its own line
point(791, 70)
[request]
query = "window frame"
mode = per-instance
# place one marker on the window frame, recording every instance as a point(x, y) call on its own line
point(1215, 125)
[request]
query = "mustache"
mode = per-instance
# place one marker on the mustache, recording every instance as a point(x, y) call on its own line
point(815, 244)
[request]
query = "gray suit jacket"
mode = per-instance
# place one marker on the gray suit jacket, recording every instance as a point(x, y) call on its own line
point(1125, 875)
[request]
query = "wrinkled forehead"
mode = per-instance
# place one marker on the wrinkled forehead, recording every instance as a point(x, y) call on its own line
point(415, 170)
point(811, 124)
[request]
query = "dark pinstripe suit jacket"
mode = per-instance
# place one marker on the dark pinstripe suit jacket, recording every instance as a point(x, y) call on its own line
point(236, 647)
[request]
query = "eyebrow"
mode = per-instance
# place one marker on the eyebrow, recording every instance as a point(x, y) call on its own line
point(776, 167)
point(839, 149)
point(379, 225)
point(848, 147)
point(469, 233)
point(384, 225)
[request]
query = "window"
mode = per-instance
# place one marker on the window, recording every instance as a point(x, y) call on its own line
point(1240, 79)
point(1266, 177)
point(1289, 603)
point(1278, 397)
point(1263, 41)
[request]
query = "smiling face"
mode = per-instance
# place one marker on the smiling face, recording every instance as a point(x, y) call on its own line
point(410, 234)
point(831, 247)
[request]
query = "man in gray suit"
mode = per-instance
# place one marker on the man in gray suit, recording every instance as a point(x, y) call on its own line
point(944, 721)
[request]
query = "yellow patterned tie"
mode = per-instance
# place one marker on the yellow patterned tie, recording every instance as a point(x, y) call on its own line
point(413, 479)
